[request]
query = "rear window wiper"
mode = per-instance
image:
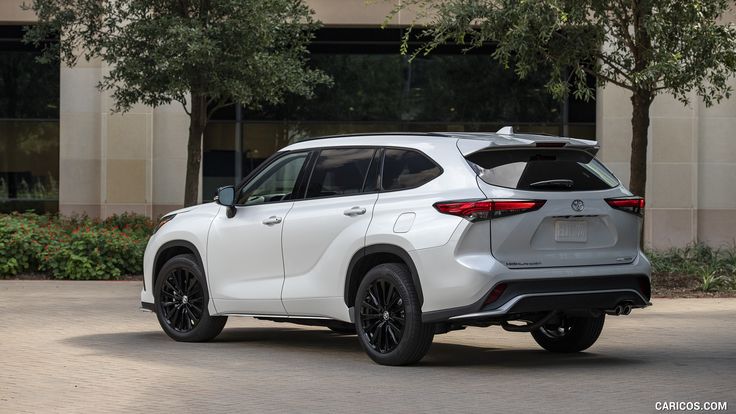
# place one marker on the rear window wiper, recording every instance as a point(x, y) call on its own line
point(560, 183)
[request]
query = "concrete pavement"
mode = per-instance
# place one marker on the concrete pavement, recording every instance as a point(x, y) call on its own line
point(83, 346)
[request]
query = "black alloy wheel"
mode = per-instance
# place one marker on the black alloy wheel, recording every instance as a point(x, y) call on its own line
point(181, 300)
point(382, 316)
point(570, 333)
point(388, 316)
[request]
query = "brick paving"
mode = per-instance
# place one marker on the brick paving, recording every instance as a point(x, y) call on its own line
point(84, 346)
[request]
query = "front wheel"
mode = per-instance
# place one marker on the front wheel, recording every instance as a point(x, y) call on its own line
point(389, 317)
point(181, 300)
point(570, 334)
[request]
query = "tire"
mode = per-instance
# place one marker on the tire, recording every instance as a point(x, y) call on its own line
point(578, 334)
point(389, 318)
point(181, 298)
point(343, 328)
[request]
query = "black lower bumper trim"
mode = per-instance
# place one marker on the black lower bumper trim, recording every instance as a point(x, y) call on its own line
point(539, 295)
point(148, 306)
point(602, 300)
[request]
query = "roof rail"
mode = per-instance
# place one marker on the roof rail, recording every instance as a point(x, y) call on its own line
point(362, 134)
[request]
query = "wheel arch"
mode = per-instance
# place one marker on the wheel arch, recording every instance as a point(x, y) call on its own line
point(171, 249)
point(368, 257)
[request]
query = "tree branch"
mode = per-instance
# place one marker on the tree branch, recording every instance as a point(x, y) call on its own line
point(217, 108)
point(616, 68)
point(608, 79)
point(183, 103)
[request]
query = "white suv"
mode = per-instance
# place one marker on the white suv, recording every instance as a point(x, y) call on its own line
point(398, 237)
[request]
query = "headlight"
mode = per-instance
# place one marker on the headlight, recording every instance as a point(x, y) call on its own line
point(164, 220)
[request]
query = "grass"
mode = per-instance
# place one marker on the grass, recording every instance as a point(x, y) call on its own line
point(696, 268)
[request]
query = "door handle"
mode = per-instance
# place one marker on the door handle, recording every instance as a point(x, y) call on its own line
point(272, 220)
point(355, 211)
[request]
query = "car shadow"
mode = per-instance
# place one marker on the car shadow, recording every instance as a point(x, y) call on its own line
point(317, 344)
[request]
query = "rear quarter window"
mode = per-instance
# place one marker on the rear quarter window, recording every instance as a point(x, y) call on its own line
point(404, 169)
point(542, 170)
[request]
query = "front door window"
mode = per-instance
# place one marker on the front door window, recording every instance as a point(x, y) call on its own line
point(275, 183)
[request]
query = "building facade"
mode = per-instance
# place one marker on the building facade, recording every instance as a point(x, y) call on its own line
point(63, 150)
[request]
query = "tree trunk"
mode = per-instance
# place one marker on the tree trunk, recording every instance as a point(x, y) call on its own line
point(641, 101)
point(197, 123)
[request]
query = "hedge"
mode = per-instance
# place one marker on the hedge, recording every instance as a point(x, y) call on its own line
point(73, 248)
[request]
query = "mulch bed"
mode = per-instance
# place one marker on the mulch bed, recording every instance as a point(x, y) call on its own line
point(682, 286)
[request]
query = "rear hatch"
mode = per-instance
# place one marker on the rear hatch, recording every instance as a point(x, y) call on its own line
point(582, 216)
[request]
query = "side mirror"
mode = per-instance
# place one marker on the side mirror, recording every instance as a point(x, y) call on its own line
point(226, 197)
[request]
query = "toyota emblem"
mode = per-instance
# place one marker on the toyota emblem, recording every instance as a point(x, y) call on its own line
point(577, 205)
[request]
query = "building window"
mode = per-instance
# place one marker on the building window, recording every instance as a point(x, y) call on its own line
point(377, 90)
point(29, 127)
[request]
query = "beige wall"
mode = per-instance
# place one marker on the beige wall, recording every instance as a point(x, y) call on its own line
point(111, 163)
point(11, 12)
point(691, 169)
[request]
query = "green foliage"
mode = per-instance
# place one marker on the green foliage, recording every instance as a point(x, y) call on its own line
point(73, 248)
point(714, 269)
point(656, 46)
point(246, 51)
point(709, 280)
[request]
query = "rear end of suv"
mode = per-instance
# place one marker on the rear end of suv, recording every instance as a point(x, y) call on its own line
point(547, 239)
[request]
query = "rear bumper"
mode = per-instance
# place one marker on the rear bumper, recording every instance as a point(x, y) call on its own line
point(545, 302)
point(549, 294)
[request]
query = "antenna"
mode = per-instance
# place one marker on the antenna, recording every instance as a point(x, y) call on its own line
point(507, 130)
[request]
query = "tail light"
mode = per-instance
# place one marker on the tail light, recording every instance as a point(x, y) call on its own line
point(633, 205)
point(496, 293)
point(487, 209)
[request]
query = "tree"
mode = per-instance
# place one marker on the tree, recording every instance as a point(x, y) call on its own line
point(648, 47)
point(205, 54)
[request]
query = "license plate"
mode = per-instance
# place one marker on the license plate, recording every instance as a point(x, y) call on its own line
point(571, 231)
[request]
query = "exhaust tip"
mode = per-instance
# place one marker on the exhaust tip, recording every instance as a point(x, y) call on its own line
point(626, 310)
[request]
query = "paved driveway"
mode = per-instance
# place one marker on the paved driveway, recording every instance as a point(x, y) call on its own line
point(73, 346)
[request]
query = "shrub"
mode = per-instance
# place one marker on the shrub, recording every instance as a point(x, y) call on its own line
point(75, 247)
point(714, 269)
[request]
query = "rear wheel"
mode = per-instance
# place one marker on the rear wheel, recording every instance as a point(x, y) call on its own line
point(570, 334)
point(389, 318)
point(181, 300)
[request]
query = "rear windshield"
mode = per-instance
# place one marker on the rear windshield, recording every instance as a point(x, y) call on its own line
point(542, 169)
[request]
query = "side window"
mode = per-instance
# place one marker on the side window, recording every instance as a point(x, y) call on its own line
point(404, 169)
point(340, 171)
point(275, 183)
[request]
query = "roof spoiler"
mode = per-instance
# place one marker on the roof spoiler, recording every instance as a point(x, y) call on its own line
point(512, 140)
